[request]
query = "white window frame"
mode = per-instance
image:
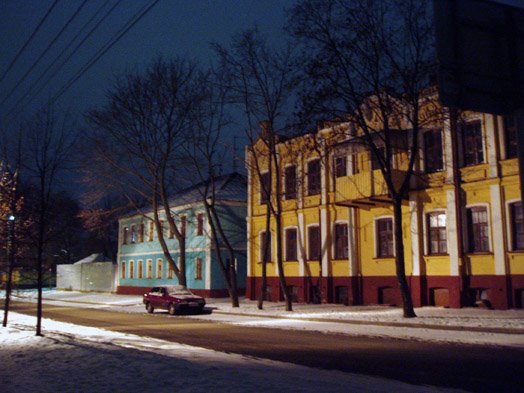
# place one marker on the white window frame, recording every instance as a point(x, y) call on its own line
point(259, 179)
point(140, 264)
point(425, 229)
point(295, 227)
point(131, 269)
point(306, 176)
point(490, 236)
point(509, 238)
point(333, 248)
point(375, 237)
point(261, 256)
point(149, 271)
point(159, 263)
point(320, 239)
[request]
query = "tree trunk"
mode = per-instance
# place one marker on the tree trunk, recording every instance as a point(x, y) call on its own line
point(407, 302)
point(265, 259)
point(232, 273)
point(10, 257)
point(180, 270)
point(39, 270)
point(231, 286)
point(278, 224)
point(281, 275)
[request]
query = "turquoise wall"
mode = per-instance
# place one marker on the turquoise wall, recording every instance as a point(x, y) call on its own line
point(234, 224)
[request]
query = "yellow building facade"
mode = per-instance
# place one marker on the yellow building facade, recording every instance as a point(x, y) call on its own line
point(462, 220)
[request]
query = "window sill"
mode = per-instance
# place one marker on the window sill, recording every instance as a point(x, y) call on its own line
point(516, 252)
point(261, 262)
point(292, 261)
point(383, 258)
point(437, 255)
point(473, 253)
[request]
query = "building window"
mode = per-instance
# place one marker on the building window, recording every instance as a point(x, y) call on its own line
point(340, 164)
point(125, 235)
point(150, 231)
point(123, 271)
point(133, 234)
point(263, 246)
point(140, 264)
point(170, 233)
point(478, 235)
point(141, 233)
point(149, 268)
point(341, 241)
point(198, 268)
point(313, 177)
point(517, 226)
point(200, 224)
point(433, 151)
point(131, 269)
point(375, 162)
point(437, 233)
point(264, 187)
point(472, 143)
point(384, 231)
point(159, 266)
point(313, 242)
point(291, 244)
point(160, 232)
point(290, 182)
point(170, 271)
point(183, 225)
point(510, 136)
point(354, 164)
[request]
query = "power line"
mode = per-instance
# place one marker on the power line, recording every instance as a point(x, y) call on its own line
point(128, 26)
point(44, 52)
point(73, 52)
point(28, 40)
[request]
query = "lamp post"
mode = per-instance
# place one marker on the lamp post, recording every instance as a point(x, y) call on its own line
point(11, 219)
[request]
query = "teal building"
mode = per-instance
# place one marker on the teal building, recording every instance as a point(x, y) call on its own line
point(141, 261)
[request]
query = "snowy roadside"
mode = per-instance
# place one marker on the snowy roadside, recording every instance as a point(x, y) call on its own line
point(468, 325)
point(77, 358)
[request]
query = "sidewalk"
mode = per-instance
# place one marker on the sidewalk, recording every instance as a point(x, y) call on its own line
point(472, 319)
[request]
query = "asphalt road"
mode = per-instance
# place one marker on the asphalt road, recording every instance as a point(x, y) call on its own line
point(474, 368)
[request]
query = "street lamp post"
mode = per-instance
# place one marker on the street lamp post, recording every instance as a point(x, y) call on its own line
point(11, 262)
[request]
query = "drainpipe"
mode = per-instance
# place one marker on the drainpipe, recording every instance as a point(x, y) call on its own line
point(457, 182)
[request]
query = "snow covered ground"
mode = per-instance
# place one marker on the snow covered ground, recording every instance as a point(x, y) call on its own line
point(467, 325)
point(74, 358)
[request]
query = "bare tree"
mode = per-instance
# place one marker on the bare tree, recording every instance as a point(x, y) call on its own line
point(49, 141)
point(262, 81)
point(369, 65)
point(206, 153)
point(137, 142)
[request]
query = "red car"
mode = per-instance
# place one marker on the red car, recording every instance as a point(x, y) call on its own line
point(172, 298)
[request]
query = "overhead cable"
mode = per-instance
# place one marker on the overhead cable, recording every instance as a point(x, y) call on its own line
point(33, 34)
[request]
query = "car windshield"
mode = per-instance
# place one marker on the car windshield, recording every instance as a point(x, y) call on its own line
point(180, 292)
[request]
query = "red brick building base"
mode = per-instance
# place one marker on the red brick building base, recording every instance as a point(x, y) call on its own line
point(498, 292)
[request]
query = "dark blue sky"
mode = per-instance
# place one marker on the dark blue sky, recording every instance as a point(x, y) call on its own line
point(171, 28)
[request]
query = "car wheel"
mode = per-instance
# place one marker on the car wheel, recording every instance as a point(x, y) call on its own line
point(150, 308)
point(172, 309)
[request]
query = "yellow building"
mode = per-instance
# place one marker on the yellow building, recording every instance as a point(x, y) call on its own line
point(462, 220)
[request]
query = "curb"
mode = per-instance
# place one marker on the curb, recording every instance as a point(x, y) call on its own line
point(387, 324)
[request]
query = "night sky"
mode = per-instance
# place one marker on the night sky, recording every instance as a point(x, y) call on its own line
point(171, 28)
